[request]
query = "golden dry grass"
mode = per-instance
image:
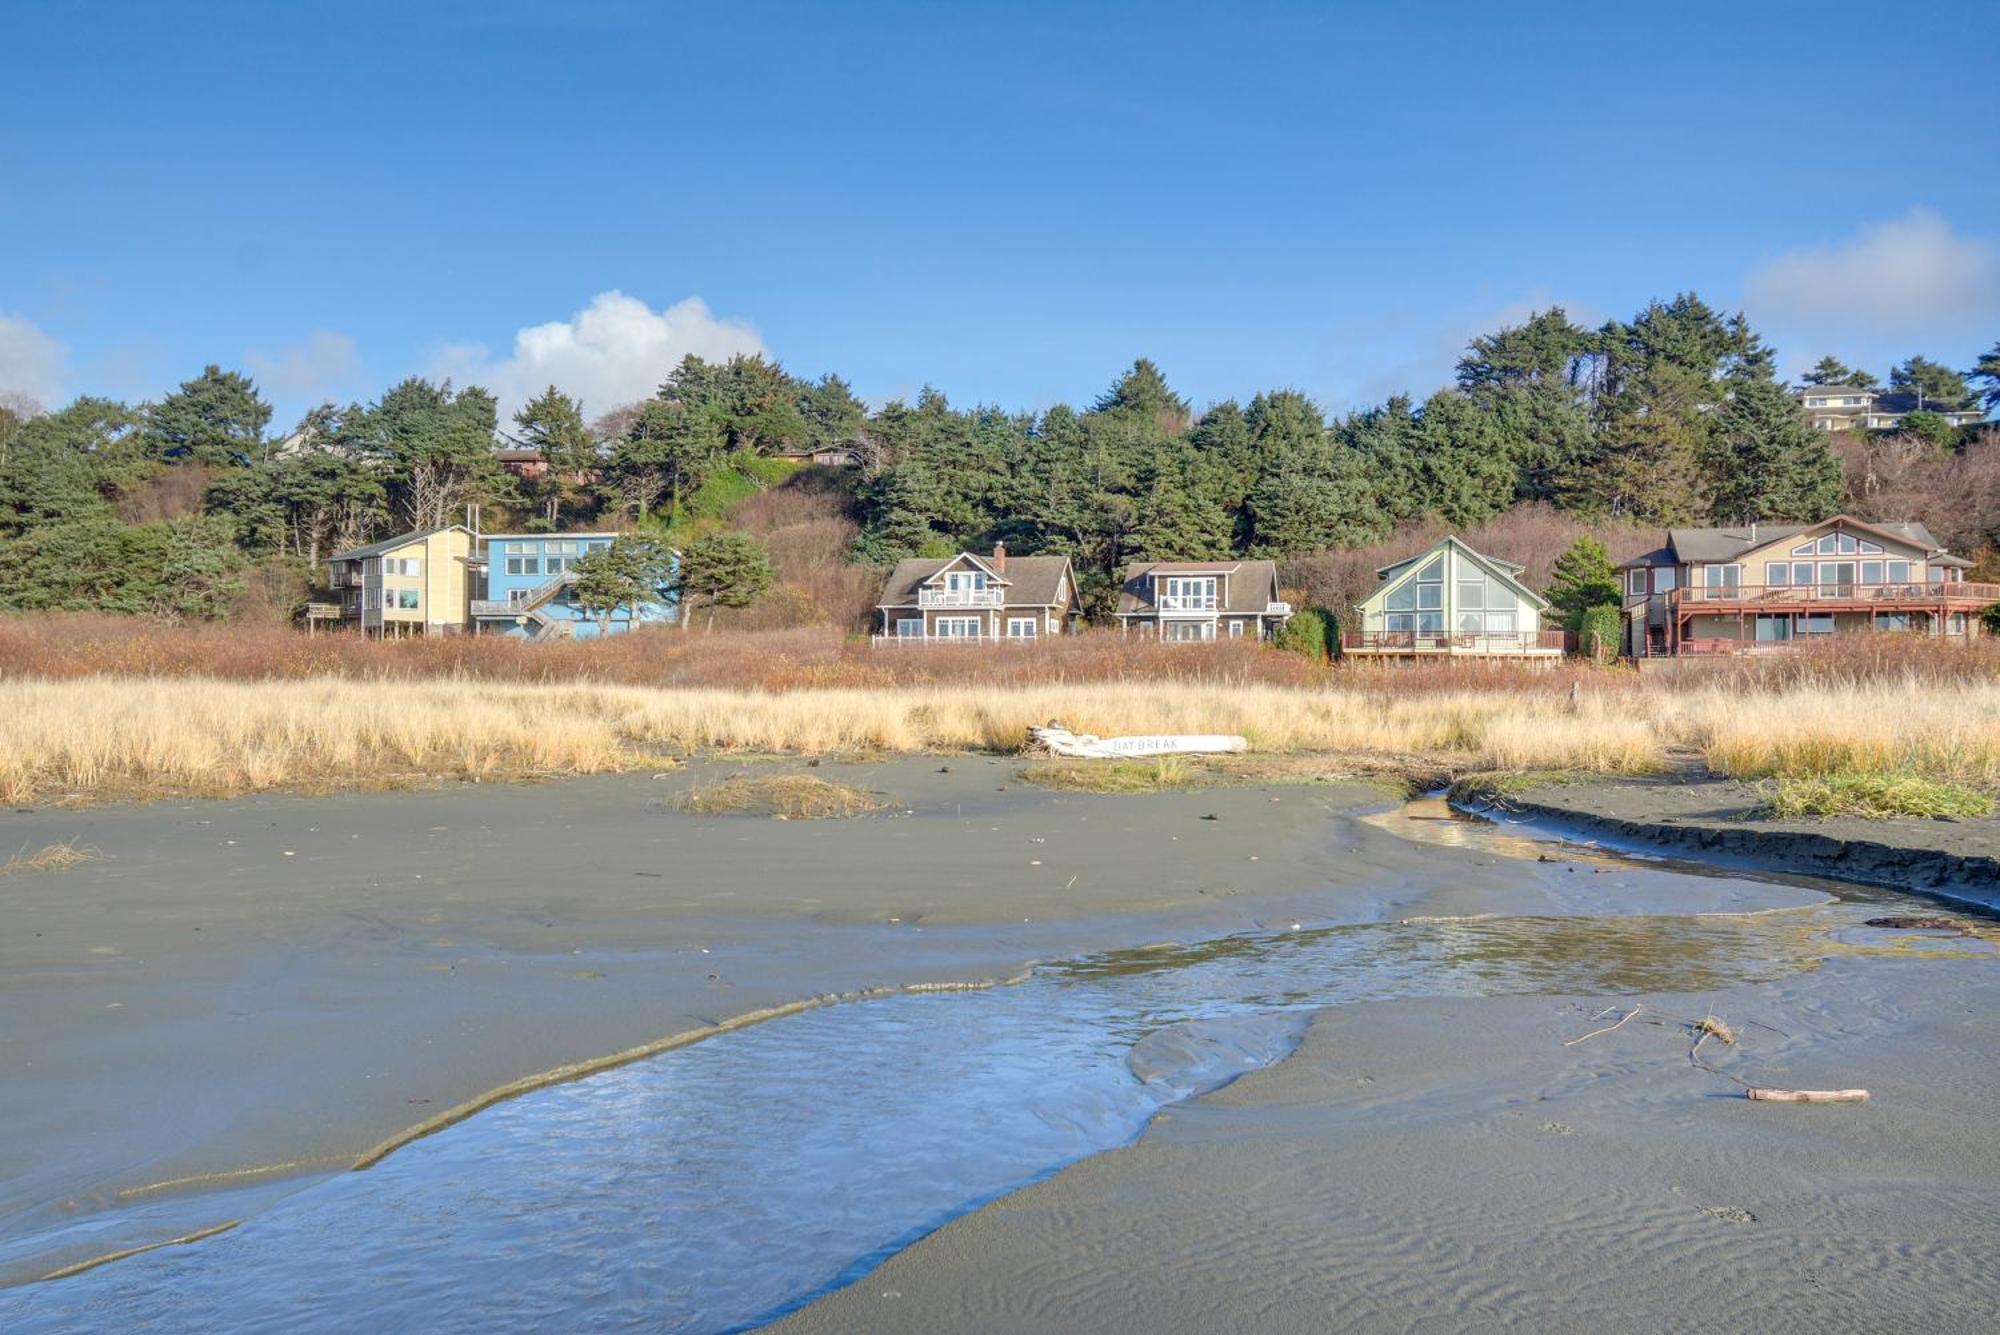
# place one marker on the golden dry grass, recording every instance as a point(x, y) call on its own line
point(55, 857)
point(108, 736)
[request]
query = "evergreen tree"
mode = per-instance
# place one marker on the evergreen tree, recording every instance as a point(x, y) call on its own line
point(1936, 386)
point(1582, 578)
point(722, 569)
point(1175, 523)
point(670, 450)
point(1143, 392)
point(1767, 461)
point(552, 423)
point(1464, 469)
point(216, 418)
point(437, 445)
point(1832, 371)
point(630, 573)
point(1987, 372)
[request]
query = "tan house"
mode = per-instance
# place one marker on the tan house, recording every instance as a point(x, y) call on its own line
point(1202, 600)
point(970, 597)
point(1850, 408)
point(1766, 586)
point(411, 584)
point(1452, 602)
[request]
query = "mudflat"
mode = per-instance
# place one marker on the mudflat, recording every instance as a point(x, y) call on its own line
point(256, 992)
point(236, 1000)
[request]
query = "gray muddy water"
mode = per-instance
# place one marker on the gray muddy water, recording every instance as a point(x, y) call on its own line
point(718, 1186)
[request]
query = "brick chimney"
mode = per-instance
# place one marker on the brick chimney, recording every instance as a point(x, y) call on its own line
point(999, 558)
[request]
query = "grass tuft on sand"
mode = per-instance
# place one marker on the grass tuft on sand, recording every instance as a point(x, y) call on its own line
point(1869, 796)
point(780, 797)
point(1163, 774)
point(56, 857)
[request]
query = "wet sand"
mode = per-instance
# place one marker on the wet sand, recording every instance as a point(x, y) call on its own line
point(241, 998)
point(259, 991)
point(1442, 1166)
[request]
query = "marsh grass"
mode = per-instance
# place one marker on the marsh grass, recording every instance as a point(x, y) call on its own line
point(60, 857)
point(98, 737)
point(1162, 774)
point(1869, 796)
point(781, 797)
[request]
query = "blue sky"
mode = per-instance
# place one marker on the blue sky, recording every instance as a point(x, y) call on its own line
point(1008, 201)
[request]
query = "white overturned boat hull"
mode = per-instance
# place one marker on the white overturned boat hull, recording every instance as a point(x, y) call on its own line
point(1083, 746)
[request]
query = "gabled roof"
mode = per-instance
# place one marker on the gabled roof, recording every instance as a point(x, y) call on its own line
point(1251, 588)
point(400, 540)
point(1031, 580)
point(1507, 572)
point(1726, 544)
point(969, 559)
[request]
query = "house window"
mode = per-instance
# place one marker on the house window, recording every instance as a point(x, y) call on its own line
point(1776, 573)
point(1817, 623)
point(965, 581)
point(1955, 624)
point(407, 600)
point(1892, 621)
point(1400, 623)
point(1666, 579)
point(524, 565)
point(1870, 548)
point(1430, 589)
point(1635, 583)
point(1236, 630)
point(909, 628)
point(957, 628)
point(1189, 593)
point(402, 565)
point(1897, 571)
point(1021, 628)
point(1773, 629)
point(1202, 631)
point(1722, 581)
point(1430, 623)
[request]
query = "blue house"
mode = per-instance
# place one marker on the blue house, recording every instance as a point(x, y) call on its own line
point(528, 592)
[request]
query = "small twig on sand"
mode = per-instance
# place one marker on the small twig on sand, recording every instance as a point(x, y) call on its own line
point(1570, 1043)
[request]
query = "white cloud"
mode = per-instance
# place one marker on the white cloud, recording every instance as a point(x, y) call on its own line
point(1913, 275)
point(322, 367)
point(31, 362)
point(613, 351)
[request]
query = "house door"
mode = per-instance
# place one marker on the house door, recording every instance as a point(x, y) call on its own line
point(1836, 579)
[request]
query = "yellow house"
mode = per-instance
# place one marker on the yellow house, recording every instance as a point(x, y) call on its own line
point(411, 584)
point(1764, 587)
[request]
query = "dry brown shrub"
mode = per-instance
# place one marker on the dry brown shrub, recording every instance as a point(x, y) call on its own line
point(54, 858)
point(780, 797)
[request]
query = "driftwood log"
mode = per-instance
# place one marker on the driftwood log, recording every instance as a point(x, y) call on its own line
point(1808, 1095)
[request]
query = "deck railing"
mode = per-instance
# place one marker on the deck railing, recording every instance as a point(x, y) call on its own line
point(1410, 642)
point(1841, 591)
point(961, 597)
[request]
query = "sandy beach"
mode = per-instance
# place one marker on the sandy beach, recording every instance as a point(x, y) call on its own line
point(240, 999)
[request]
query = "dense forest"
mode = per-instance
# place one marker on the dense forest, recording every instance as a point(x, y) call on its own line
point(193, 508)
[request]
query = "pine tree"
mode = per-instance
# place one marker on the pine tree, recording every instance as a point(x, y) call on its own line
point(1582, 578)
point(1988, 373)
point(216, 418)
point(1832, 371)
point(1767, 461)
point(722, 569)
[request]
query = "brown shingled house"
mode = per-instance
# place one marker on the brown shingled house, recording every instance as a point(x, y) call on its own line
point(970, 597)
point(1202, 600)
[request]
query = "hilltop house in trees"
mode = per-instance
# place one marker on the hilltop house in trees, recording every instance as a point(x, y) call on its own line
point(1849, 408)
point(1765, 586)
point(528, 589)
point(1452, 602)
point(411, 584)
point(1202, 600)
point(971, 597)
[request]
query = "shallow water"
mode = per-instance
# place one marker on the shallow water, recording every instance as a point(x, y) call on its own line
point(719, 1186)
